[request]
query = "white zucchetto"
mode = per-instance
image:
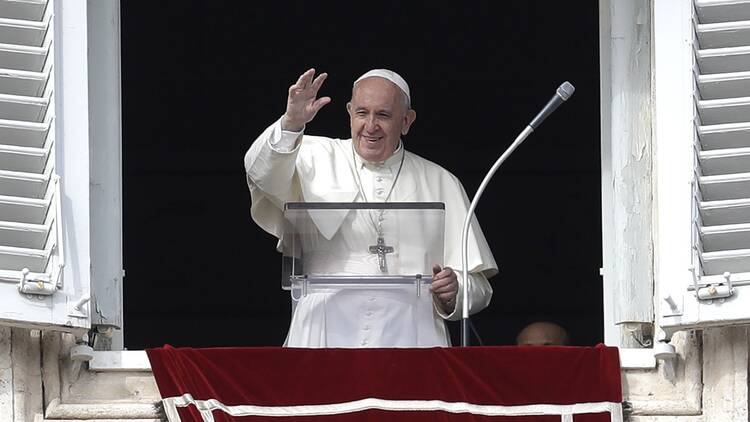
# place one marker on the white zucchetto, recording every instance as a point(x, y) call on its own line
point(391, 76)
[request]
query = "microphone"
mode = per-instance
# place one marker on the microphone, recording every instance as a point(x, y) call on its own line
point(563, 93)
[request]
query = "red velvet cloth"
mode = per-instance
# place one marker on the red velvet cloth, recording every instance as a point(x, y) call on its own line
point(477, 375)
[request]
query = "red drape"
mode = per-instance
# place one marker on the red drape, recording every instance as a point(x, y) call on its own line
point(421, 383)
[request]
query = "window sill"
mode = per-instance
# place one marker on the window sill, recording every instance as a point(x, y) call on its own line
point(637, 359)
point(137, 361)
point(120, 361)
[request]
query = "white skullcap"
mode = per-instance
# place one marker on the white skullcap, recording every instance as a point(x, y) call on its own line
point(391, 76)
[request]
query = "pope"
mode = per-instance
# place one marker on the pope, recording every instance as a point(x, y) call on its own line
point(285, 164)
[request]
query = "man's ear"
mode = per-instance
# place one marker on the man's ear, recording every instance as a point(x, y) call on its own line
point(349, 108)
point(409, 118)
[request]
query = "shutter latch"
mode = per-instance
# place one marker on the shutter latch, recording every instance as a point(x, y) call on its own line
point(717, 290)
point(35, 287)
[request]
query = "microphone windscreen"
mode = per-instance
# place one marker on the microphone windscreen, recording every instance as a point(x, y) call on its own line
point(566, 90)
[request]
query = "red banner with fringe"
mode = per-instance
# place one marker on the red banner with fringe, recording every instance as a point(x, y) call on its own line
point(514, 384)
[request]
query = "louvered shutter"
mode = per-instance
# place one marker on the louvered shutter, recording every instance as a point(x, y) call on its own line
point(33, 288)
point(714, 287)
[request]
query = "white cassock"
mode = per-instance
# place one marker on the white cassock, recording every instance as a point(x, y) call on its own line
point(290, 167)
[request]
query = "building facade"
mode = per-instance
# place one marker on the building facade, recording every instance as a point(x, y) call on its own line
point(675, 89)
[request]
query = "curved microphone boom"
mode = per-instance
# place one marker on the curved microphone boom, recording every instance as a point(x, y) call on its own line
point(562, 94)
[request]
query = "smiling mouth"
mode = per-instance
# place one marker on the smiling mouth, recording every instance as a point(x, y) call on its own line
point(371, 139)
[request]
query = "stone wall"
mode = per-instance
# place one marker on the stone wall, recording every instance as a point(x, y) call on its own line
point(708, 382)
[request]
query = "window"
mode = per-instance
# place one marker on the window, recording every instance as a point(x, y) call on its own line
point(86, 149)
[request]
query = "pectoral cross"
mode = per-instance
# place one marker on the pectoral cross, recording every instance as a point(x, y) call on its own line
point(381, 249)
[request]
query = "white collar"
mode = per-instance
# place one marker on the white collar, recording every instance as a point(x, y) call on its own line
point(391, 162)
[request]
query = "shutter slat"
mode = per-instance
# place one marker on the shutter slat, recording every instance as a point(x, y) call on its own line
point(20, 82)
point(733, 211)
point(725, 110)
point(724, 60)
point(22, 235)
point(733, 135)
point(725, 237)
point(24, 134)
point(724, 34)
point(734, 261)
point(22, 32)
point(724, 85)
point(23, 9)
point(23, 159)
point(725, 186)
point(23, 210)
point(27, 109)
point(16, 183)
point(711, 11)
point(16, 259)
point(724, 161)
point(21, 57)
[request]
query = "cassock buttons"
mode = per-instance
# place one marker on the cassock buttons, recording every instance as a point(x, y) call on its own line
point(379, 178)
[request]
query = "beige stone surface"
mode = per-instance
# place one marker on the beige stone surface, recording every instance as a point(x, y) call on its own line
point(665, 391)
point(6, 375)
point(709, 383)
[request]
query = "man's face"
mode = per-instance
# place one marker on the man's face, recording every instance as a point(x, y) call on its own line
point(378, 116)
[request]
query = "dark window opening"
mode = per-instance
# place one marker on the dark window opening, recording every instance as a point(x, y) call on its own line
point(202, 79)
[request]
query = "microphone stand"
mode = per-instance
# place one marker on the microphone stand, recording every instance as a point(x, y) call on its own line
point(563, 93)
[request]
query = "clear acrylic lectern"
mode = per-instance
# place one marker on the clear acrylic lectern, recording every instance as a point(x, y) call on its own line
point(330, 246)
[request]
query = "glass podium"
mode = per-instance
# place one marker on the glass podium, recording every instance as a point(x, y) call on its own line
point(330, 246)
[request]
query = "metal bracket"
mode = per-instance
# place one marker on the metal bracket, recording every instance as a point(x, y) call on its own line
point(715, 291)
point(77, 310)
point(627, 409)
point(673, 307)
point(35, 287)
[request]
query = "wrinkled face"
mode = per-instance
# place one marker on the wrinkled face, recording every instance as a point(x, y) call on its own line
point(378, 117)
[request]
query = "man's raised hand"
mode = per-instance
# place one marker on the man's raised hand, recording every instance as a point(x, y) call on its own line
point(302, 105)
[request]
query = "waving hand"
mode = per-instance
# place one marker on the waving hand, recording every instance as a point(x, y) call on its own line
point(302, 104)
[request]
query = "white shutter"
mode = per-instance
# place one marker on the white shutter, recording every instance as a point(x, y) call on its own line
point(714, 287)
point(35, 288)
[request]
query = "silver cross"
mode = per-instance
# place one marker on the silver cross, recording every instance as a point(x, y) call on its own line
point(381, 249)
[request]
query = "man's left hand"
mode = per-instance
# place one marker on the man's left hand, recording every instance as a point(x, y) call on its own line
point(444, 286)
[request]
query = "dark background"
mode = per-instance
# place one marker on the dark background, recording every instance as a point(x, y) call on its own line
point(202, 79)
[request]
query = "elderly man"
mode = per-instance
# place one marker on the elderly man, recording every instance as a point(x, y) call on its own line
point(286, 165)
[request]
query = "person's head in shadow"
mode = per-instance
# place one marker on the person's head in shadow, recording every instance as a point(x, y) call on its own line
point(543, 333)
